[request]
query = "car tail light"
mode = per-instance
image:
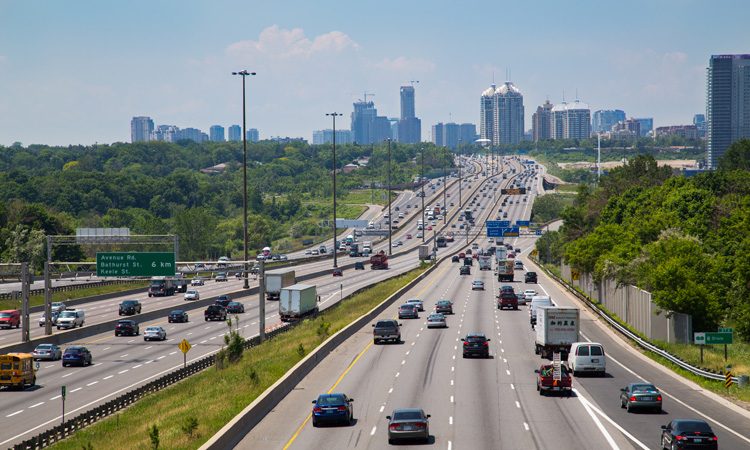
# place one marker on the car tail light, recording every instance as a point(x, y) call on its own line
point(419, 424)
point(658, 398)
point(632, 399)
point(715, 438)
point(466, 343)
point(679, 437)
point(317, 409)
point(486, 344)
point(394, 427)
point(341, 408)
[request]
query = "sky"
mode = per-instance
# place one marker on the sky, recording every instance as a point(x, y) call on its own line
point(76, 72)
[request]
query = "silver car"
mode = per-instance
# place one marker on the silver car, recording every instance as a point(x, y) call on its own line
point(436, 320)
point(408, 423)
point(477, 285)
point(49, 352)
point(43, 319)
point(58, 306)
point(192, 295)
point(416, 302)
point(155, 333)
point(197, 282)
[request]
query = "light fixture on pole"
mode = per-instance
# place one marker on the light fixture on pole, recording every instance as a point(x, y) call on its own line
point(335, 249)
point(244, 74)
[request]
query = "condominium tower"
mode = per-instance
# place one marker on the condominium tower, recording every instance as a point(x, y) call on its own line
point(727, 104)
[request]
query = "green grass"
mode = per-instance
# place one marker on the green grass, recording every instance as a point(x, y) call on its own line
point(35, 300)
point(213, 396)
point(365, 197)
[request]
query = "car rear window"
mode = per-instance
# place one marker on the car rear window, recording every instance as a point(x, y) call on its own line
point(407, 306)
point(384, 324)
point(73, 351)
point(583, 350)
point(330, 400)
point(407, 415)
point(693, 425)
point(476, 338)
point(643, 387)
point(596, 350)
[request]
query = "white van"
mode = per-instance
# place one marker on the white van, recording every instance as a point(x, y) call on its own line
point(70, 318)
point(587, 357)
point(536, 302)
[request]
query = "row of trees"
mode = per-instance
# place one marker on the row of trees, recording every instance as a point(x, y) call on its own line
point(158, 188)
point(686, 240)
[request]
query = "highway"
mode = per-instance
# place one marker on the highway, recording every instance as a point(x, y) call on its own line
point(122, 363)
point(493, 403)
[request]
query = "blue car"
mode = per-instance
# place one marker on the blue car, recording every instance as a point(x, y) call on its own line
point(77, 355)
point(332, 408)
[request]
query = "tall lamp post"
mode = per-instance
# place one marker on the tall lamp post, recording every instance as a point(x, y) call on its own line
point(421, 180)
point(390, 217)
point(445, 187)
point(460, 179)
point(333, 115)
point(244, 74)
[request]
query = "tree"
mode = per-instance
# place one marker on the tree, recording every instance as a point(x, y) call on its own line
point(26, 245)
point(737, 156)
point(194, 227)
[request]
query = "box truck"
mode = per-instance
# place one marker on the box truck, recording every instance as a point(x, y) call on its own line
point(556, 329)
point(278, 279)
point(297, 301)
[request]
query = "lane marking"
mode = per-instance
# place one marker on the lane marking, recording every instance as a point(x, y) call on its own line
point(526, 426)
point(452, 399)
point(596, 420)
point(76, 389)
point(107, 377)
point(382, 408)
point(372, 433)
point(135, 367)
point(608, 419)
point(38, 404)
point(55, 397)
point(512, 387)
point(390, 391)
point(518, 405)
point(122, 371)
point(13, 414)
point(92, 383)
point(450, 420)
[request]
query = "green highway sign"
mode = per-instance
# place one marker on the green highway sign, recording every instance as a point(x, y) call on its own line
point(135, 264)
point(726, 330)
point(710, 338)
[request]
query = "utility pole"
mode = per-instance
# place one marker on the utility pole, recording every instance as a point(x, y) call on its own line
point(262, 299)
point(445, 186)
point(335, 248)
point(421, 180)
point(25, 277)
point(460, 179)
point(390, 218)
point(598, 156)
point(48, 290)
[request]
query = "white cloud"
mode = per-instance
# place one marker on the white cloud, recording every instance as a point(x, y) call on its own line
point(278, 43)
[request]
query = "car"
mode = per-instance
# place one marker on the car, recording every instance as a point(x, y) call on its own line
point(408, 311)
point(511, 255)
point(468, 251)
point(688, 433)
point(155, 333)
point(47, 352)
point(359, 265)
point(468, 261)
point(453, 225)
point(215, 312)
point(70, 318)
point(386, 330)
point(223, 300)
point(192, 294)
point(475, 246)
point(76, 354)
point(127, 328)
point(436, 320)
point(43, 319)
point(444, 307)
point(464, 270)
point(477, 285)
point(129, 308)
point(332, 408)
point(316, 252)
point(455, 259)
point(640, 395)
point(518, 250)
point(283, 257)
point(429, 228)
point(10, 318)
point(419, 235)
point(235, 308)
point(57, 307)
point(337, 272)
point(518, 265)
point(588, 357)
point(408, 423)
point(476, 344)
point(529, 294)
point(177, 315)
point(462, 255)
point(197, 282)
point(416, 302)
point(308, 252)
point(530, 277)
point(221, 277)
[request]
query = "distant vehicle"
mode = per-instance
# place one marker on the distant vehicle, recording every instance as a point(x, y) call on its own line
point(464, 270)
point(192, 295)
point(408, 311)
point(47, 352)
point(408, 423)
point(455, 259)
point(379, 261)
point(220, 277)
point(43, 319)
point(536, 302)
point(441, 241)
point(129, 307)
point(177, 315)
point(444, 307)
point(223, 300)
point(641, 396)
point(155, 333)
point(332, 408)
point(297, 301)
point(416, 302)
point(386, 330)
point(127, 328)
point(198, 281)
point(71, 318)
point(215, 312)
point(518, 265)
point(507, 299)
point(278, 279)
point(476, 344)
point(545, 380)
point(485, 262)
point(688, 433)
point(315, 252)
point(588, 357)
point(77, 354)
point(338, 272)
point(235, 308)
point(57, 307)
point(10, 318)
point(322, 249)
point(436, 320)
point(162, 286)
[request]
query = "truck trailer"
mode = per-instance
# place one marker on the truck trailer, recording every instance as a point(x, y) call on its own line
point(556, 329)
point(277, 280)
point(296, 301)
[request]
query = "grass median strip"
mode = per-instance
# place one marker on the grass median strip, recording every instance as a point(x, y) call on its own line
point(190, 412)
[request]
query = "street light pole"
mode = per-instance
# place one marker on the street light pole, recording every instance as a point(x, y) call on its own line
point(333, 116)
point(390, 217)
point(445, 187)
point(243, 74)
point(421, 180)
point(460, 179)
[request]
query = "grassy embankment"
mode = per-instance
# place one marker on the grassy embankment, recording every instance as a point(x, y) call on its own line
point(214, 397)
point(35, 300)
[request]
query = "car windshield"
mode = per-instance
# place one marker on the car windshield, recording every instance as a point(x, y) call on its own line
point(125, 322)
point(476, 338)
point(435, 317)
point(414, 300)
point(407, 306)
point(384, 323)
point(67, 314)
point(73, 351)
point(692, 425)
point(128, 303)
point(5, 314)
point(153, 329)
point(325, 400)
point(407, 415)
point(192, 292)
point(643, 387)
point(443, 303)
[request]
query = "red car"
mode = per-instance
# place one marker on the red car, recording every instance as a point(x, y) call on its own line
point(338, 273)
point(408, 236)
point(545, 381)
point(429, 228)
point(511, 255)
point(462, 255)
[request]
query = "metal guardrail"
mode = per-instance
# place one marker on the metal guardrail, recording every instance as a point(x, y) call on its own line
point(634, 337)
point(70, 287)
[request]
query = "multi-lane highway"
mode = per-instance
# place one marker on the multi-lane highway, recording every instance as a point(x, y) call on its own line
point(121, 363)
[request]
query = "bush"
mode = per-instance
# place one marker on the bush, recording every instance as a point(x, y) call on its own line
point(190, 425)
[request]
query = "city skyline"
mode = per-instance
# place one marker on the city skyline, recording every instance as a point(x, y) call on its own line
point(309, 63)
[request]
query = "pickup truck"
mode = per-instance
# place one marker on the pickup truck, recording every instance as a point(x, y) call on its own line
point(507, 299)
point(546, 383)
point(386, 330)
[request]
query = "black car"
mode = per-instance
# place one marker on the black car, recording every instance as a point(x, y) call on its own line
point(408, 311)
point(177, 315)
point(215, 312)
point(464, 270)
point(476, 344)
point(127, 328)
point(338, 272)
point(455, 259)
point(468, 261)
point(235, 307)
point(444, 307)
point(129, 307)
point(530, 277)
point(223, 300)
point(359, 265)
point(688, 433)
point(76, 354)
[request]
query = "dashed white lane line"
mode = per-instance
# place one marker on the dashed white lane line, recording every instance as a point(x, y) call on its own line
point(507, 371)
point(453, 368)
point(132, 340)
point(204, 341)
point(512, 387)
point(173, 353)
point(450, 445)
point(412, 344)
point(189, 334)
point(92, 383)
point(518, 405)
point(162, 356)
point(390, 391)
point(38, 404)
point(397, 374)
point(212, 338)
point(403, 361)
point(382, 408)
point(146, 348)
point(107, 377)
point(407, 353)
point(372, 433)
point(137, 366)
point(122, 371)
point(55, 397)
point(526, 426)
point(450, 420)
point(122, 356)
point(13, 414)
point(67, 375)
point(76, 390)
point(451, 382)
point(106, 348)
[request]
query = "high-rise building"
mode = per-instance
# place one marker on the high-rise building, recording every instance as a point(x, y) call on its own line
point(407, 102)
point(381, 129)
point(409, 128)
point(487, 122)
point(467, 134)
point(451, 134)
point(626, 128)
point(165, 133)
point(699, 120)
point(141, 128)
point(438, 136)
point(727, 104)
point(216, 133)
point(509, 114)
point(605, 119)
point(367, 127)
point(235, 133)
point(646, 125)
point(571, 121)
point(541, 121)
point(253, 135)
point(192, 134)
point(326, 137)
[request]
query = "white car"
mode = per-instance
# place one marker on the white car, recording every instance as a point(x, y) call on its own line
point(436, 320)
point(192, 294)
point(419, 235)
point(197, 282)
point(416, 302)
point(528, 294)
point(57, 307)
point(477, 285)
point(315, 252)
point(155, 333)
point(308, 252)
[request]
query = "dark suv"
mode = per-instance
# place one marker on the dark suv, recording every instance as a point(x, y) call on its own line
point(386, 330)
point(476, 344)
point(127, 328)
point(129, 307)
point(215, 312)
point(530, 277)
point(464, 270)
